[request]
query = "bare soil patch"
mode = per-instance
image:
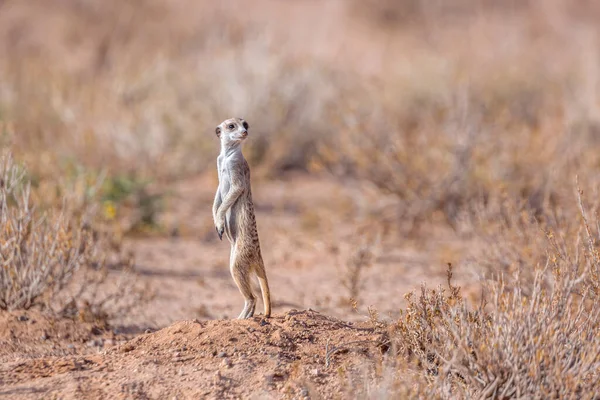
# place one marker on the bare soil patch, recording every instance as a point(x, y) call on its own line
point(296, 354)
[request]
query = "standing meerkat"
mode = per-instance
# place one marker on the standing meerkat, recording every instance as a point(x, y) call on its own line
point(233, 213)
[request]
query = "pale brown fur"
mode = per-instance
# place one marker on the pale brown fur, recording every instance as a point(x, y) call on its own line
point(233, 213)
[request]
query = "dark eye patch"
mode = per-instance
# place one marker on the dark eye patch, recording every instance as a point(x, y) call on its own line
point(245, 124)
point(231, 126)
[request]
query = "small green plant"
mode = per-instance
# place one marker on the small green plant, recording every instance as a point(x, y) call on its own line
point(131, 197)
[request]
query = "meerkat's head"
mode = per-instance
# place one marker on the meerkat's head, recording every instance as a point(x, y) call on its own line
point(232, 131)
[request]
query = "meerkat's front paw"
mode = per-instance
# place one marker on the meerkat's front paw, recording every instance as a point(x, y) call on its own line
point(220, 227)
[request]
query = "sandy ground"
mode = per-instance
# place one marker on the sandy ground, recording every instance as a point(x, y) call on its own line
point(290, 355)
point(184, 343)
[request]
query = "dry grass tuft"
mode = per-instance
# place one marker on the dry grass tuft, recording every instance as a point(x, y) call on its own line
point(60, 260)
point(533, 338)
point(362, 250)
point(39, 253)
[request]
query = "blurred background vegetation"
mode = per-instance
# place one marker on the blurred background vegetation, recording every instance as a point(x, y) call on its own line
point(440, 103)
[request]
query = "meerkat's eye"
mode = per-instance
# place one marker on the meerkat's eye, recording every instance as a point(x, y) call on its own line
point(245, 125)
point(231, 126)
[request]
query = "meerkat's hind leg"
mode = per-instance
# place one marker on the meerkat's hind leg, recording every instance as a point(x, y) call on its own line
point(249, 299)
point(248, 311)
point(241, 275)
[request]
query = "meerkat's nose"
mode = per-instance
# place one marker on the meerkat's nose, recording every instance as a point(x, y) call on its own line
point(244, 133)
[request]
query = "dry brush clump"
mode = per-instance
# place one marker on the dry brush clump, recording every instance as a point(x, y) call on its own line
point(356, 254)
point(59, 258)
point(40, 253)
point(533, 337)
point(542, 345)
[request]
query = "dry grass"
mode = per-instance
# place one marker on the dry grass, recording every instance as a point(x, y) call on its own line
point(355, 256)
point(532, 334)
point(40, 253)
point(535, 340)
point(59, 259)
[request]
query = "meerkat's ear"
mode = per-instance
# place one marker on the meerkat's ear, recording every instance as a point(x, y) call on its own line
point(245, 124)
point(218, 131)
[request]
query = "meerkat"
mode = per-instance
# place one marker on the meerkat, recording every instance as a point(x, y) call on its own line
point(233, 213)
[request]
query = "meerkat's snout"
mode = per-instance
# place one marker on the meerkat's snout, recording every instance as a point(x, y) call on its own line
point(245, 127)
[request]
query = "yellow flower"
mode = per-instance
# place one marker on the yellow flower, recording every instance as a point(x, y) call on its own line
point(110, 211)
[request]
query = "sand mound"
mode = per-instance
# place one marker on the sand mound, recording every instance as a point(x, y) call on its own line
point(299, 353)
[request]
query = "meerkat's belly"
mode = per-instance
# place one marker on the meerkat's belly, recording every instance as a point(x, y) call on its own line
point(230, 215)
point(224, 186)
point(232, 221)
point(230, 225)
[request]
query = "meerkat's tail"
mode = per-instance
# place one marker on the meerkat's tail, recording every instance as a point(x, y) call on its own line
point(264, 288)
